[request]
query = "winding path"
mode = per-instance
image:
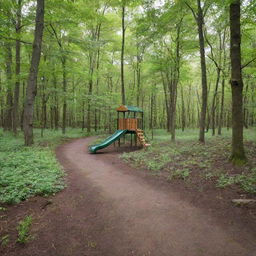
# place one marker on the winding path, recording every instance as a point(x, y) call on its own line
point(151, 222)
point(108, 211)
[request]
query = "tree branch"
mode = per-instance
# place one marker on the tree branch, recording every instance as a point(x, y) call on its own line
point(15, 39)
point(212, 55)
point(206, 8)
point(56, 36)
point(248, 63)
point(192, 10)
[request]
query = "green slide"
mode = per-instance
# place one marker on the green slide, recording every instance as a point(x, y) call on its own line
point(109, 140)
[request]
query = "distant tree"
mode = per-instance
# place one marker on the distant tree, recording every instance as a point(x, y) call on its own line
point(199, 17)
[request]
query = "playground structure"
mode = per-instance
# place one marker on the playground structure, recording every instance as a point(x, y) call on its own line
point(131, 122)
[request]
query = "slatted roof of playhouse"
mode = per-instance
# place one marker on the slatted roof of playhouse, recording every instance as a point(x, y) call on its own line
point(126, 108)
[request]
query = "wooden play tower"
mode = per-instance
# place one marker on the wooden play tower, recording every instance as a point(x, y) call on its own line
point(130, 118)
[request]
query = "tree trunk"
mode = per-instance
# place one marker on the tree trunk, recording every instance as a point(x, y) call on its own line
point(9, 96)
point(64, 84)
point(221, 105)
point(55, 109)
point(122, 55)
point(214, 102)
point(200, 23)
point(1, 103)
point(17, 71)
point(183, 111)
point(238, 154)
point(32, 78)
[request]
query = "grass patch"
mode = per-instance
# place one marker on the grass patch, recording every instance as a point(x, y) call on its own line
point(180, 174)
point(5, 240)
point(23, 230)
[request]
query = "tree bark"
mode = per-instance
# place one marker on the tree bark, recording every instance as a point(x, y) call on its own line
point(200, 23)
point(9, 97)
point(17, 71)
point(56, 104)
point(33, 72)
point(64, 84)
point(214, 102)
point(122, 55)
point(183, 111)
point(221, 105)
point(238, 154)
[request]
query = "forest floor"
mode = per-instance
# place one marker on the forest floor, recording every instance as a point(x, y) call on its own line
point(110, 208)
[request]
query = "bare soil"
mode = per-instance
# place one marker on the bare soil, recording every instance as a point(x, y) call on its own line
point(110, 209)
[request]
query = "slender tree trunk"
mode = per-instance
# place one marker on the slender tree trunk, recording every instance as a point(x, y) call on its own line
point(17, 71)
point(32, 79)
point(56, 104)
point(200, 23)
point(1, 103)
point(9, 97)
point(214, 102)
point(44, 107)
point(221, 105)
point(64, 84)
point(88, 125)
point(176, 81)
point(23, 106)
point(166, 102)
point(245, 109)
point(183, 111)
point(122, 55)
point(238, 154)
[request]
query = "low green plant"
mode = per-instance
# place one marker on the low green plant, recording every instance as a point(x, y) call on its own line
point(158, 162)
point(92, 244)
point(209, 175)
point(246, 182)
point(29, 172)
point(225, 180)
point(179, 174)
point(5, 240)
point(23, 230)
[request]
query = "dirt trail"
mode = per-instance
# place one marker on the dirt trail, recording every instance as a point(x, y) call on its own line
point(111, 212)
point(152, 222)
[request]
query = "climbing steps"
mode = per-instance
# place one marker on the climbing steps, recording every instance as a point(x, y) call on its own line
point(141, 137)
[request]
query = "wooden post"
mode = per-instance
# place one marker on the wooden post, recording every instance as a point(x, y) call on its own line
point(117, 122)
point(142, 124)
point(118, 127)
point(124, 127)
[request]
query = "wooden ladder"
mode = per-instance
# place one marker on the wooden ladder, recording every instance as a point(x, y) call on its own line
point(141, 137)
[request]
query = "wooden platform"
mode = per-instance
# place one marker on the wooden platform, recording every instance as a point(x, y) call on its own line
point(128, 124)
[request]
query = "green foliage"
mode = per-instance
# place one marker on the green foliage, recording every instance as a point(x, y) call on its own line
point(246, 181)
point(179, 174)
point(26, 172)
point(5, 240)
point(226, 180)
point(23, 230)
